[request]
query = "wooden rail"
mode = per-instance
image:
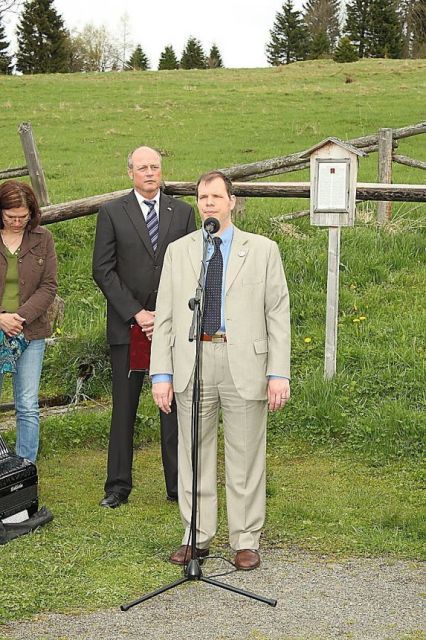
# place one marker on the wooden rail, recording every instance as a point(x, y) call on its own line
point(17, 172)
point(365, 191)
point(294, 162)
point(385, 141)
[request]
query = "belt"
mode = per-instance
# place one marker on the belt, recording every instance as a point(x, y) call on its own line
point(216, 337)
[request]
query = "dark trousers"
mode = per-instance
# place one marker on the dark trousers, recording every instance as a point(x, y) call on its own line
point(125, 400)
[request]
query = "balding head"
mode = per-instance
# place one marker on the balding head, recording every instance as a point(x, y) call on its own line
point(144, 169)
point(130, 160)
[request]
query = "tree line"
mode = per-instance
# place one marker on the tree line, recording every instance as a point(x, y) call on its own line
point(348, 31)
point(45, 45)
point(345, 30)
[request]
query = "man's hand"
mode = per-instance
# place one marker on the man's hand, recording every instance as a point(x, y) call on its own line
point(278, 393)
point(11, 323)
point(145, 320)
point(162, 393)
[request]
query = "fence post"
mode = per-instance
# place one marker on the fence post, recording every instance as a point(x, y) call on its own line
point(384, 209)
point(33, 163)
point(240, 208)
point(332, 302)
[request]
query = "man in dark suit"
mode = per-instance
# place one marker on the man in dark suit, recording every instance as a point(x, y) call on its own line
point(132, 235)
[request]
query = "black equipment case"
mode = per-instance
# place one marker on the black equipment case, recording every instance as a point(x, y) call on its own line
point(18, 484)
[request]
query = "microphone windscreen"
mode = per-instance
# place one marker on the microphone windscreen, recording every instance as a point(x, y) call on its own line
point(211, 225)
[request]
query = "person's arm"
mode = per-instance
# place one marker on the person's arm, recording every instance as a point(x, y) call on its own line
point(104, 270)
point(277, 316)
point(161, 368)
point(43, 296)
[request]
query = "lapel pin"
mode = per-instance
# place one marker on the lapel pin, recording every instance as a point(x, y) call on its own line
point(169, 208)
point(241, 254)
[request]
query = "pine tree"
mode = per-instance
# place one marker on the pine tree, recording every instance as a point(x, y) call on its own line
point(138, 61)
point(357, 21)
point(5, 60)
point(214, 60)
point(323, 16)
point(320, 46)
point(345, 51)
point(289, 37)
point(43, 41)
point(193, 56)
point(384, 36)
point(168, 59)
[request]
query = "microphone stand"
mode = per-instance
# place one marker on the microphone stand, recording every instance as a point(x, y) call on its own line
point(192, 571)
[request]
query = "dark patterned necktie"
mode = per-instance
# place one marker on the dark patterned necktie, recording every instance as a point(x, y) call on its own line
point(213, 291)
point(152, 223)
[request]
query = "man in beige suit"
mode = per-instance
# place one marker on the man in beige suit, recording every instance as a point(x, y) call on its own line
point(245, 368)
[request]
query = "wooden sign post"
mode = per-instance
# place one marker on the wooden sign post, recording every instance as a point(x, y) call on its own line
point(334, 166)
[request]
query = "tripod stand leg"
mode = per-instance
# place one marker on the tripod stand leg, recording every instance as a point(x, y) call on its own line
point(248, 594)
point(126, 607)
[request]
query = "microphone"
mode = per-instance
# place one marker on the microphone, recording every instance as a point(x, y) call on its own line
point(211, 225)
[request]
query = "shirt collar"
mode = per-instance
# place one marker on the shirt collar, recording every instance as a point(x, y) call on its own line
point(226, 236)
point(141, 199)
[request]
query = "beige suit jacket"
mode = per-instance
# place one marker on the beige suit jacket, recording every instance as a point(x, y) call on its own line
point(256, 313)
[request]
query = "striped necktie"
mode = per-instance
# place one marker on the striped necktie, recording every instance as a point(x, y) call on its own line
point(152, 223)
point(213, 291)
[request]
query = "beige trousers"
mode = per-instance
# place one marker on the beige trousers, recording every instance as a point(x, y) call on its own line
point(244, 424)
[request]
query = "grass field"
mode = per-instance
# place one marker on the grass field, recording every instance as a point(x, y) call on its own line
point(85, 124)
point(344, 457)
point(90, 558)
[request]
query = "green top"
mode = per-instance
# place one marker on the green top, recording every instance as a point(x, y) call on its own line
point(10, 300)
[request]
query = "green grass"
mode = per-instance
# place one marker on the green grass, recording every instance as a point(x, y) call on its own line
point(90, 558)
point(85, 123)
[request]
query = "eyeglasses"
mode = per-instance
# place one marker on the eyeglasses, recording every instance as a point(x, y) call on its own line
point(19, 219)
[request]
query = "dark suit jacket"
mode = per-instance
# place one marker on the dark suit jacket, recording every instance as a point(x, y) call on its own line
point(124, 265)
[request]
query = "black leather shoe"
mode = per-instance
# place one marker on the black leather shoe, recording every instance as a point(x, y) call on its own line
point(113, 500)
point(172, 498)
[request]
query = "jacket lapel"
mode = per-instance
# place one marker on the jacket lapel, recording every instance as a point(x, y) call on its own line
point(133, 210)
point(237, 257)
point(195, 251)
point(166, 214)
point(30, 240)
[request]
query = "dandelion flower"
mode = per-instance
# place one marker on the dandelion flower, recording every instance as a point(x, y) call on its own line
point(307, 340)
point(362, 317)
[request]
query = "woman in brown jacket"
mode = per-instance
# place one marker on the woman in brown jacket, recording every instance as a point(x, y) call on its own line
point(27, 289)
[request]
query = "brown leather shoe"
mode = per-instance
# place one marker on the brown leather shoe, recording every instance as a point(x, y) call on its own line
point(183, 555)
point(247, 559)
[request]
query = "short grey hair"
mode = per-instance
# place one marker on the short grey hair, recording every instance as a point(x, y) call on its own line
point(130, 156)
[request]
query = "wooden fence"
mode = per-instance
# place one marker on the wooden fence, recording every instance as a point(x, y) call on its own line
point(365, 191)
point(384, 143)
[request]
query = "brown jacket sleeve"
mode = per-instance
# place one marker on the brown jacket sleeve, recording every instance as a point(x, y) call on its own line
point(37, 291)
